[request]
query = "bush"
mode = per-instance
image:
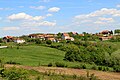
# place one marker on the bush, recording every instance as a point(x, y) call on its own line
point(81, 66)
point(94, 67)
point(12, 62)
point(116, 68)
point(84, 66)
point(50, 65)
point(48, 42)
point(38, 41)
point(100, 68)
point(60, 64)
point(16, 74)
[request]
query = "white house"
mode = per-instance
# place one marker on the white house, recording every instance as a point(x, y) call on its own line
point(18, 40)
point(65, 36)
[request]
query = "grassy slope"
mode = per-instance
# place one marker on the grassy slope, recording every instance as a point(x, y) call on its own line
point(32, 55)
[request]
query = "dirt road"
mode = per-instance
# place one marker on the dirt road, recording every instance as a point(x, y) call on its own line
point(68, 71)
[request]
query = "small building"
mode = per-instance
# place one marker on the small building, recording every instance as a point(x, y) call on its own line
point(74, 33)
point(81, 34)
point(65, 36)
point(104, 38)
point(106, 33)
point(35, 36)
point(7, 38)
point(19, 40)
point(51, 39)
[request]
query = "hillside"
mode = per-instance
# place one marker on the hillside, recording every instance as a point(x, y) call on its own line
point(31, 55)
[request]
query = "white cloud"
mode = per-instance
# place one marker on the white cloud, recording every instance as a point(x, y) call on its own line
point(45, 1)
point(118, 6)
point(37, 7)
point(10, 28)
point(39, 23)
point(6, 8)
point(54, 9)
point(24, 16)
point(102, 12)
point(21, 6)
point(49, 15)
point(0, 18)
point(106, 19)
point(100, 16)
point(100, 19)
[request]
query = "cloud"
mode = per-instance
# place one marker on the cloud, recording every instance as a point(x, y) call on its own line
point(39, 23)
point(97, 20)
point(103, 15)
point(49, 15)
point(37, 7)
point(26, 20)
point(102, 12)
point(106, 19)
point(0, 18)
point(54, 9)
point(6, 8)
point(45, 1)
point(118, 6)
point(21, 6)
point(24, 16)
point(10, 28)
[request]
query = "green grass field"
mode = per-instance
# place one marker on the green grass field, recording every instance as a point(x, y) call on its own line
point(31, 55)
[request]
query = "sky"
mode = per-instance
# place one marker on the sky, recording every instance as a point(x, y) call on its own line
point(23, 17)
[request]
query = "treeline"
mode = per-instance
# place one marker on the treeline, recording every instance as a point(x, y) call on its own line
point(98, 53)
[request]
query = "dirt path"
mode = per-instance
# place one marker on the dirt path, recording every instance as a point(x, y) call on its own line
point(100, 74)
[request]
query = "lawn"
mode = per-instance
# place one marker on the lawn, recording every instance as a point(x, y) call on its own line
point(32, 55)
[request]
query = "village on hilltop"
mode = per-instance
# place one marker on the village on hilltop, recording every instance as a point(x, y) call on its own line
point(68, 36)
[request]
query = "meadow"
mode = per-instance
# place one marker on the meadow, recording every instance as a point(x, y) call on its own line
point(31, 55)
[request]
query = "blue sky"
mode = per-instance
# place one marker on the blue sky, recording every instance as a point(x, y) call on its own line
point(22, 17)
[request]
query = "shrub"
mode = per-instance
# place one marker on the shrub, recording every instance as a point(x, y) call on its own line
point(50, 65)
point(84, 66)
point(60, 64)
point(81, 66)
point(12, 62)
point(100, 68)
point(116, 68)
point(38, 41)
point(94, 67)
point(48, 42)
point(16, 74)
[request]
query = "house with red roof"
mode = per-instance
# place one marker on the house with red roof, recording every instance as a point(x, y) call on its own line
point(65, 36)
point(7, 38)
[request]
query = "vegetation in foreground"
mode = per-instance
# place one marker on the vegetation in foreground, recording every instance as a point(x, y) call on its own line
point(23, 74)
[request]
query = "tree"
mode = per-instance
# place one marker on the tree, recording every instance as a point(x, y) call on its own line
point(72, 53)
point(117, 31)
point(1, 40)
point(38, 41)
point(48, 42)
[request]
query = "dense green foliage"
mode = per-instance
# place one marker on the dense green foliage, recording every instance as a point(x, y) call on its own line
point(100, 53)
point(115, 38)
point(117, 31)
